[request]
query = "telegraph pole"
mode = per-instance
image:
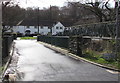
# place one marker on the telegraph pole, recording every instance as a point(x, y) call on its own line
point(38, 20)
point(50, 19)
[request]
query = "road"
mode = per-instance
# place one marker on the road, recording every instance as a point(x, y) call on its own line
point(39, 63)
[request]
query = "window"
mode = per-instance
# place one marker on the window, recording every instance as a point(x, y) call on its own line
point(41, 27)
point(48, 27)
point(61, 28)
point(57, 27)
point(35, 26)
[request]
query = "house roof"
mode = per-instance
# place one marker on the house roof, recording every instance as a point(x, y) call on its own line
point(36, 23)
point(44, 23)
point(67, 24)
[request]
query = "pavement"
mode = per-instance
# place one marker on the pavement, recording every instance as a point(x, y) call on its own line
point(7, 63)
point(39, 63)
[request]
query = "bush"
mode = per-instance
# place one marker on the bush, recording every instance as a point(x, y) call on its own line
point(101, 60)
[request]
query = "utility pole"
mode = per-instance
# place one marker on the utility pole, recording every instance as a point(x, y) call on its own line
point(0, 33)
point(50, 19)
point(38, 20)
point(117, 39)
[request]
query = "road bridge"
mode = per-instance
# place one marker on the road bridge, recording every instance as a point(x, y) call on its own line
point(39, 63)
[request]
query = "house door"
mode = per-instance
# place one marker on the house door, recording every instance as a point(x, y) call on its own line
point(27, 32)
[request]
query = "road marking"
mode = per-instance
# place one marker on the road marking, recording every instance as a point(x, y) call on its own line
point(113, 72)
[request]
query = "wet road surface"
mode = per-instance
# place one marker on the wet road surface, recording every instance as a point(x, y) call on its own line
point(39, 63)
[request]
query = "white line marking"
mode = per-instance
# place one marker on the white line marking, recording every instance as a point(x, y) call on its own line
point(113, 72)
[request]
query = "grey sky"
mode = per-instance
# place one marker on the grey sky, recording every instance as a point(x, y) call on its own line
point(40, 3)
point(47, 3)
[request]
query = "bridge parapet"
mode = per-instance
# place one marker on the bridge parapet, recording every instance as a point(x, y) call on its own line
point(73, 43)
point(79, 45)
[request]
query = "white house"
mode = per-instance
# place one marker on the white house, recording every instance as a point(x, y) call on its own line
point(43, 30)
point(57, 28)
point(24, 29)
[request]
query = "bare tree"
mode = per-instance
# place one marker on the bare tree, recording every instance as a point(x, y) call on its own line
point(12, 15)
point(100, 8)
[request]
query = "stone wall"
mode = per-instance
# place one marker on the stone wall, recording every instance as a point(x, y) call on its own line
point(75, 45)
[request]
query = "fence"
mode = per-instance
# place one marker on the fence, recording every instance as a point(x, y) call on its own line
point(105, 29)
point(55, 40)
point(70, 43)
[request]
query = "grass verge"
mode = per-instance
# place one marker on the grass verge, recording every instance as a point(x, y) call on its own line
point(97, 58)
point(23, 38)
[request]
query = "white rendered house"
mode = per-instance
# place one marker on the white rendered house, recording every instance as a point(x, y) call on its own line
point(43, 30)
point(57, 28)
point(24, 29)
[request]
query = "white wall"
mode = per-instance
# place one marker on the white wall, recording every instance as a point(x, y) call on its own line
point(20, 29)
point(32, 29)
point(44, 30)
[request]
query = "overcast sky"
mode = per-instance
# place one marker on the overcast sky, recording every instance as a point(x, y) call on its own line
point(46, 3)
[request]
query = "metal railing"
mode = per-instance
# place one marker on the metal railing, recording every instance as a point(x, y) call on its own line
point(60, 41)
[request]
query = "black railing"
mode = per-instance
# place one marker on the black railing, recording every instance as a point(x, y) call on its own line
point(70, 43)
point(80, 45)
point(59, 41)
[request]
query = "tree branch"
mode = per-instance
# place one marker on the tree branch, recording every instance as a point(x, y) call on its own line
point(107, 6)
